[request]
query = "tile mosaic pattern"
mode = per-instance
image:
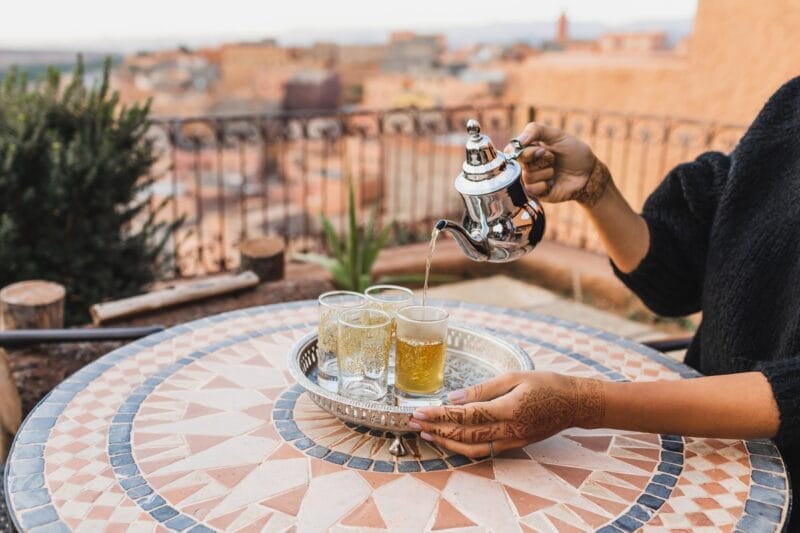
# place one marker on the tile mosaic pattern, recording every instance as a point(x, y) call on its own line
point(200, 428)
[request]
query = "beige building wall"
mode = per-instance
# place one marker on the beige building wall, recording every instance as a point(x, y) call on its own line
point(739, 54)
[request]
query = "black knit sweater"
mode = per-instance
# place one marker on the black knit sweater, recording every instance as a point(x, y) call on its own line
point(725, 239)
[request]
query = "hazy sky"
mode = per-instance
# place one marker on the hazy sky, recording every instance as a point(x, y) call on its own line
point(47, 23)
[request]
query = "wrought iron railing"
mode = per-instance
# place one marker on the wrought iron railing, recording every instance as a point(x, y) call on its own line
point(238, 176)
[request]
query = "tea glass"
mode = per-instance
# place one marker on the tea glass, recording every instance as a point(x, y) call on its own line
point(421, 354)
point(390, 298)
point(363, 353)
point(330, 305)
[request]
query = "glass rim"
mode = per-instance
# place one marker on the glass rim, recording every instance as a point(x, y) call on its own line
point(386, 316)
point(361, 297)
point(401, 314)
point(398, 288)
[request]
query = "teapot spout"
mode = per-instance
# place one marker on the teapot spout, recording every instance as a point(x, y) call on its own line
point(475, 249)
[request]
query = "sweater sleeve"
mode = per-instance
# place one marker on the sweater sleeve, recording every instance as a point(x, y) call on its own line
point(669, 279)
point(784, 378)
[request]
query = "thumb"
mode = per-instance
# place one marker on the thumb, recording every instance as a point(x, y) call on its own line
point(536, 132)
point(488, 390)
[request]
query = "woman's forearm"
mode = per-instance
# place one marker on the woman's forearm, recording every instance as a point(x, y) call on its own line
point(623, 232)
point(731, 406)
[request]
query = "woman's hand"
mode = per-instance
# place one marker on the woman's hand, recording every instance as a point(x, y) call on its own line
point(558, 167)
point(511, 411)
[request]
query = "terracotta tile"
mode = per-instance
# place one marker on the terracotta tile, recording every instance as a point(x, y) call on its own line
point(596, 444)
point(526, 503)
point(483, 469)
point(527, 529)
point(437, 480)
point(614, 508)
point(201, 509)
point(655, 521)
point(320, 467)
point(145, 453)
point(198, 443)
point(193, 410)
point(375, 479)
point(699, 519)
point(624, 493)
point(562, 526)
point(707, 503)
point(652, 438)
point(666, 508)
point(285, 451)
point(716, 458)
point(717, 474)
point(714, 488)
point(266, 430)
point(160, 481)
point(256, 526)
point(572, 475)
point(175, 496)
point(264, 412)
point(100, 512)
point(288, 502)
point(727, 528)
point(366, 515)
point(637, 481)
point(230, 476)
point(650, 453)
point(224, 521)
point(448, 517)
point(647, 466)
point(517, 453)
point(593, 519)
point(220, 382)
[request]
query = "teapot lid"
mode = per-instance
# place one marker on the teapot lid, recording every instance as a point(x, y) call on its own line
point(485, 169)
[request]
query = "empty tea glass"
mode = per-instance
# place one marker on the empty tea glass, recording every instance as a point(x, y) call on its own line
point(390, 298)
point(363, 353)
point(330, 305)
point(421, 354)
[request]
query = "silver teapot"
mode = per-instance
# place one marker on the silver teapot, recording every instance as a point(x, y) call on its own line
point(501, 222)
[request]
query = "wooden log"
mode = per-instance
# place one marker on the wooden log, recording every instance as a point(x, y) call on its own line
point(188, 292)
point(10, 407)
point(34, 304)
point(264, 256)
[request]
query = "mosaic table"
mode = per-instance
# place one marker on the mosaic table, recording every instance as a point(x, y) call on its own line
point(201, 428)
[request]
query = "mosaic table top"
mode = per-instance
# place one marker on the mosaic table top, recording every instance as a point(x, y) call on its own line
point(201, 428)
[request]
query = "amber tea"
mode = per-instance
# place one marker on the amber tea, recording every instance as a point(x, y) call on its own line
point(420, 366)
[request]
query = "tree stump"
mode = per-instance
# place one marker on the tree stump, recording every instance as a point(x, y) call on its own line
point(264, 256)
point(10, 407)
point(34, 304)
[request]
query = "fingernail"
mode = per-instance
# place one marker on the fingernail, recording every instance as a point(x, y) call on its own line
point(523, 138)
point(456, 395)
point(539, 153)
point(414, 425)
point(426, 436)
point(419, 415)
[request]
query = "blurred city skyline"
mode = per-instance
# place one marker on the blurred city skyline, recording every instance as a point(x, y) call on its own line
point(90, 25)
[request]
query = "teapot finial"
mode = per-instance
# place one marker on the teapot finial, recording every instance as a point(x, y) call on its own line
point(474, 129)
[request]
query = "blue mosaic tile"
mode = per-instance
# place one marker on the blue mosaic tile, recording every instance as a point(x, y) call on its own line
point(50, 409)
point(122, 418)
point(669, 468)
point(284, 404)
point(162, 514)
point(39, 517)
point(672, 457)
point(627, 523)
point(338, 458)
point(72, 385)
point(676, 438)
point(35, 436)
point(291, 435)
point(31, 451)
point(117, 449)
point(664, 479)
point(408, 466)
point(376, 433)
point(137, 492)
point(121, 460)
point(754, 524)
point(128, 408)
point(151, 502)
point(180, 523)
point(608, 529)
point(318, 452)
point(433, 464)
point(303, 444)
point(640, 513)
point(30, 498)
point(281, 415)
point(362, 429)
point(127, 471)
point(383, 466)
point(772, 464)
point(767, 495)
point(672, 446)
point(764, 510)
point(360, 463)
point(458, 460)
point(285, 424)
point(131, 482)
point(650, 501)
point(19, 484)
point(768, 480)
point(53, 527)
point(40, 422)
point(658, 490)
point(26, 467)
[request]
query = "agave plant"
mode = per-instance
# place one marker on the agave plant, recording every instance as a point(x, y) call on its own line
point(352, 261)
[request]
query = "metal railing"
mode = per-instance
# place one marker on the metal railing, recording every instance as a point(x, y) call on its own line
point(239, 176)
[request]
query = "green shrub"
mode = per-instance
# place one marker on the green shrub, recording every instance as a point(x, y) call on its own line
point(74, 186)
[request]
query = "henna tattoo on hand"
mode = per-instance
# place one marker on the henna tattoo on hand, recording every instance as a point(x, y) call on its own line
point(591, 404)
point(595, 185)
point(481, 415)
point(455, 414)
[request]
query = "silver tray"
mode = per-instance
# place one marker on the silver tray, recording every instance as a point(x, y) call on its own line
point(473, 356)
